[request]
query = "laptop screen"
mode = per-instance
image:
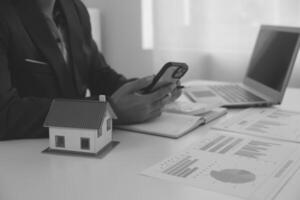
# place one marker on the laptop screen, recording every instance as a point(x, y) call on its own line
point(271, 57)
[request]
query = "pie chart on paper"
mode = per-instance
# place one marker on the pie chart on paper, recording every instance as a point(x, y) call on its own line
point(237, 176)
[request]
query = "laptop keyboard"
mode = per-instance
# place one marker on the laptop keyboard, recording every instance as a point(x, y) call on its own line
point(234, 93)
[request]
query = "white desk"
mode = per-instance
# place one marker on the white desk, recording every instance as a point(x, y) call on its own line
point(27, 174)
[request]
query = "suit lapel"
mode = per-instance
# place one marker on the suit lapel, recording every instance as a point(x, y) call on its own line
point(75, 41)
point(41, 35)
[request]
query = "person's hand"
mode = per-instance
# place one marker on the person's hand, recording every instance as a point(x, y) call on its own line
point(176, 93)
point(133, 107)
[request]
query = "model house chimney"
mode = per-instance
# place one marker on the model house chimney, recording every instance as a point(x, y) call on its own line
point(102, 98)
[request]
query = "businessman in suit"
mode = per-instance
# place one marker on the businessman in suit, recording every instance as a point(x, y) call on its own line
point(47, 52)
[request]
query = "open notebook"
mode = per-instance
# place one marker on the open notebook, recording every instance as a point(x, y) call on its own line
point(174, 125)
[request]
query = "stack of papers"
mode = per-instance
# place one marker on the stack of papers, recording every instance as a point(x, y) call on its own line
point(249, 168)
point(251, 155)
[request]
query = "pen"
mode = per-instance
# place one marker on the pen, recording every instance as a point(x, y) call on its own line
point(35, 61)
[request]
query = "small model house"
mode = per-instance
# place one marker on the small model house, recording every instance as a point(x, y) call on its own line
point(79, 126)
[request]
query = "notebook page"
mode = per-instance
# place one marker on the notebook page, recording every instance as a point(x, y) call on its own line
point(168, 124)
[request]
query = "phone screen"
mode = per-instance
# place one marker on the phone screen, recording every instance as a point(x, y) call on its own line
point(166, 78)
point(170, 73)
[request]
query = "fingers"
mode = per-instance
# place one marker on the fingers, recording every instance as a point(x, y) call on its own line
point(132, 87)
point(175, 94)
point(160, 93)
point(151, 111)
point(158, 105)
point(160, 97)
point(137, 85)
point(133, 107)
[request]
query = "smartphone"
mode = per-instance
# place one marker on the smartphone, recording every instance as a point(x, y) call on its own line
point(171, 72)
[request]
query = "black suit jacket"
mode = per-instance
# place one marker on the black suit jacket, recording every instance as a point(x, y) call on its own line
point(26, 89)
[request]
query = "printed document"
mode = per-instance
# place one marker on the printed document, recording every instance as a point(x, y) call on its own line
point(274, 123)
point(249, 168)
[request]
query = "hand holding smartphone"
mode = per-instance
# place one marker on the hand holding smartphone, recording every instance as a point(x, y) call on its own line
point(170, 73)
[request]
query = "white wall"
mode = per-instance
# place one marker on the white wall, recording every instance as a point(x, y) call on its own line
point(122, 47)
point(216, 38)
point(122, 36)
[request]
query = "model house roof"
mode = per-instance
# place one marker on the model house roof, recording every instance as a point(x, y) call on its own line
point(77, 114)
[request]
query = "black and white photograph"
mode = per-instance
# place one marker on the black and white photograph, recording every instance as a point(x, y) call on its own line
point(149, 99)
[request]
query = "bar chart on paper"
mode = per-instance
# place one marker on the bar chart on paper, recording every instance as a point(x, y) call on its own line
point(268, 122)
point(181, 168)
point(239, 166)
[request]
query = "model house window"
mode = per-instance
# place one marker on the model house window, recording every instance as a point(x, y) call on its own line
point(85, 143)
point(109, 124)
point(99, 132)
point(60, 141)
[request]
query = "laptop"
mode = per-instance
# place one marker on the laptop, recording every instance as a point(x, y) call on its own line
point(268, 73)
